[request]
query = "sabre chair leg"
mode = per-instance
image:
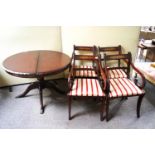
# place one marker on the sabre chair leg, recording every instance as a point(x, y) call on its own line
point(139, 102)
point(69, 107)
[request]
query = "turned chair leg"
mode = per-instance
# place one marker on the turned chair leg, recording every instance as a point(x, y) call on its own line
point(139, 104)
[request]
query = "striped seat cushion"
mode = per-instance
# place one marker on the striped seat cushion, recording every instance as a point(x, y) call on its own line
point(117, 73)
point(86, 87)
point(123, 87)
point(86, 73)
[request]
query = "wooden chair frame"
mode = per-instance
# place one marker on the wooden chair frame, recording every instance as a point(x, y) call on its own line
point(104, 74)
point(72, 76)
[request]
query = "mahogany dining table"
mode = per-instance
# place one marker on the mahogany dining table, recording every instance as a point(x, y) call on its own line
point(37, 64)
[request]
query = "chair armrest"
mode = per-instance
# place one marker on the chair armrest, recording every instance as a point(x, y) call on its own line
point(143, 81)
point(142, 85)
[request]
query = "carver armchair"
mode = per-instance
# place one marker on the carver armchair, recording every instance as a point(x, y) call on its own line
point(122, 86)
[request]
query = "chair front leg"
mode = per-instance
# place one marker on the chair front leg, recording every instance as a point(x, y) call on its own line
point(107, 109)
point(139, 104)
point(69, 107)
point(102, 109)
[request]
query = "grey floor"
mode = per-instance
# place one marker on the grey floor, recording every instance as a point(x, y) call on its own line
point(24, 113)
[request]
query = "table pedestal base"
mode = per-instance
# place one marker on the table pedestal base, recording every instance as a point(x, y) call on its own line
point(40, 84)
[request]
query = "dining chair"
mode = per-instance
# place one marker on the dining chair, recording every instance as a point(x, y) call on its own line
point(84, 68)
point(124, 86)
point(84, 86)
point(112, 50)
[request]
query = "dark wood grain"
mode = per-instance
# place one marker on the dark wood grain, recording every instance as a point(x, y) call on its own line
point(33, 64)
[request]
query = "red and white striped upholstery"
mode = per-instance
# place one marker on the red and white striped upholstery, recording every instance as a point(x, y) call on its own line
point(123, 87)
point(86, 87)
point(85, 73)
point(117, 73)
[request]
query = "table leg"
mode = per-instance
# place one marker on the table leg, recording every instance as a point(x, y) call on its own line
point(28, 89)
point(41, 97)
point(40, 84)
point(10, 89)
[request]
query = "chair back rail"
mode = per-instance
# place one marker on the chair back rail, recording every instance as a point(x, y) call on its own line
point(110, 50)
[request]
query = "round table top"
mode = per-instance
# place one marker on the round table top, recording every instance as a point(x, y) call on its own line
point(37, 63)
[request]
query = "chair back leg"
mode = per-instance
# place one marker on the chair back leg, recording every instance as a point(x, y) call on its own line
point(139, 104)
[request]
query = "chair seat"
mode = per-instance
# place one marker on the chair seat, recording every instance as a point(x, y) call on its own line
point(87, 72)
point(86, 87)
point(123, 87)
point(117, 73)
